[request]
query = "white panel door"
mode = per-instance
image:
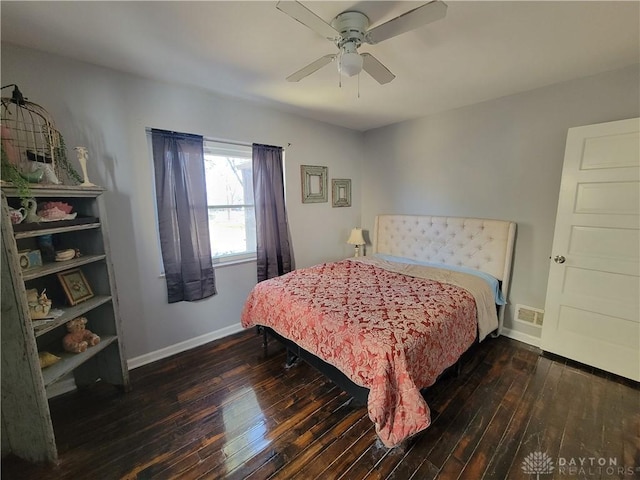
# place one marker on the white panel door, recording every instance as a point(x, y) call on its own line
point(592, 304)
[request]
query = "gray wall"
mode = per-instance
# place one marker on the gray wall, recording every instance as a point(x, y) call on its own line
point(498, 159)
point(108, 112)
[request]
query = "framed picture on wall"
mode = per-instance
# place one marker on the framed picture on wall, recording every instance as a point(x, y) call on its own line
point(314, 184)
point(341, 192)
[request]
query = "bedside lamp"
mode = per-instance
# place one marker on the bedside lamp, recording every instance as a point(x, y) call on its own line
point(356, 239)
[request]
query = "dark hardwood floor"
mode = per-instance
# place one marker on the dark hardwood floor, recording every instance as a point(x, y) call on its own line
point(223, 410)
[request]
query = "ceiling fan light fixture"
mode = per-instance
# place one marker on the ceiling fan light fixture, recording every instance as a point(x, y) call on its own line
point(350, 29)
point(350, 63)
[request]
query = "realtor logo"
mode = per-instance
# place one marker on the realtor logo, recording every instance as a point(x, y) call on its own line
point(537, 463)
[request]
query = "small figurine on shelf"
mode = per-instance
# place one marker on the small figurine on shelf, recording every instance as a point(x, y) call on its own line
point(43, 170)
point(79, 338)
point(47, 359)
point(31, 206)
point(83, 156)
point(39, 304)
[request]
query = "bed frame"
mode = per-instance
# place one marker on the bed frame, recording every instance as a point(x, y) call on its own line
point(478, 243)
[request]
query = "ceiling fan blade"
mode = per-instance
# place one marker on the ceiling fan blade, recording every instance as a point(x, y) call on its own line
point(377, 70)
point(427, 13)
point(312, 67)
point(299, 12)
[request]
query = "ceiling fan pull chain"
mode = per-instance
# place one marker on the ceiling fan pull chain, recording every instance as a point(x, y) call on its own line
point(358, 85)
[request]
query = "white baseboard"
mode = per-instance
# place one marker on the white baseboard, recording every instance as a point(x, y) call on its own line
point(182, 346)
point(67, 384)
point(521, 337)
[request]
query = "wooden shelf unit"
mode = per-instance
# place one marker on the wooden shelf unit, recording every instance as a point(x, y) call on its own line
point(27, 430)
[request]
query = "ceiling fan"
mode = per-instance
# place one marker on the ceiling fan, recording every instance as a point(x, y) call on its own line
point(349, 30)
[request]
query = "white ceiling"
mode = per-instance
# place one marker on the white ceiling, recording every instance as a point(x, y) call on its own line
point(479, 51)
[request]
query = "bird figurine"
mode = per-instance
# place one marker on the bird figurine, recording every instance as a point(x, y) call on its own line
point(31, 206)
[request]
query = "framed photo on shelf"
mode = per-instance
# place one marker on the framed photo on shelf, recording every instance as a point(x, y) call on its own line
point(75, 286)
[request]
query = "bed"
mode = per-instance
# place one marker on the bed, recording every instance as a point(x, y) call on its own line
point(386, 326)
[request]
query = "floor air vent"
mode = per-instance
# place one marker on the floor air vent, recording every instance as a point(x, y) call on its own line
point(530, 315)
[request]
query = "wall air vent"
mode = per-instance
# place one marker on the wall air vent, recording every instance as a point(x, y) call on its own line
point(529, 315)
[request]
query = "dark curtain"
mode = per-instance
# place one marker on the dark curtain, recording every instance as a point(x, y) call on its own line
point(274, 253)
point(183, 217)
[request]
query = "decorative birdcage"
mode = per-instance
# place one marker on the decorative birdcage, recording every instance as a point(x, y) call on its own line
point(30, 141)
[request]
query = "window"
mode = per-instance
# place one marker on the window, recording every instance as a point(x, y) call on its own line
point(232, 222)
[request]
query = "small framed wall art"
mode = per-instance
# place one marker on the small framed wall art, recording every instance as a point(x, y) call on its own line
point(341, 192)
point(314, 184)
point(75, 286)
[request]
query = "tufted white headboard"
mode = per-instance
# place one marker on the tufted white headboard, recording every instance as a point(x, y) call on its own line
point(483, 244)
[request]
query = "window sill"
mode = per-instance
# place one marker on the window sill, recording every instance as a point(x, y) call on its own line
point(231, 263)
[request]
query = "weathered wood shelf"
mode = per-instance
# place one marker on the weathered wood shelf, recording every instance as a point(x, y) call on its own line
point(70, 361)
point(42, 190)
point(49, 268)
point(72, 312)
point(53, 228)
point(27, 430)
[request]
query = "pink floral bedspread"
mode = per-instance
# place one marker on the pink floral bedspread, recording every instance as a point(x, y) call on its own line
point(389, 332)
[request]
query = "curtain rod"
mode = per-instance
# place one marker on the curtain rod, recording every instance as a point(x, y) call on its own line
point(242, 144)
point(230, 142)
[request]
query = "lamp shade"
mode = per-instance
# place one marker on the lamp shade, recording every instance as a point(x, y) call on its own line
point(356, 237)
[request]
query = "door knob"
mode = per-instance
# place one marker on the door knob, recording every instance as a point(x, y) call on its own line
point(559, 259)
